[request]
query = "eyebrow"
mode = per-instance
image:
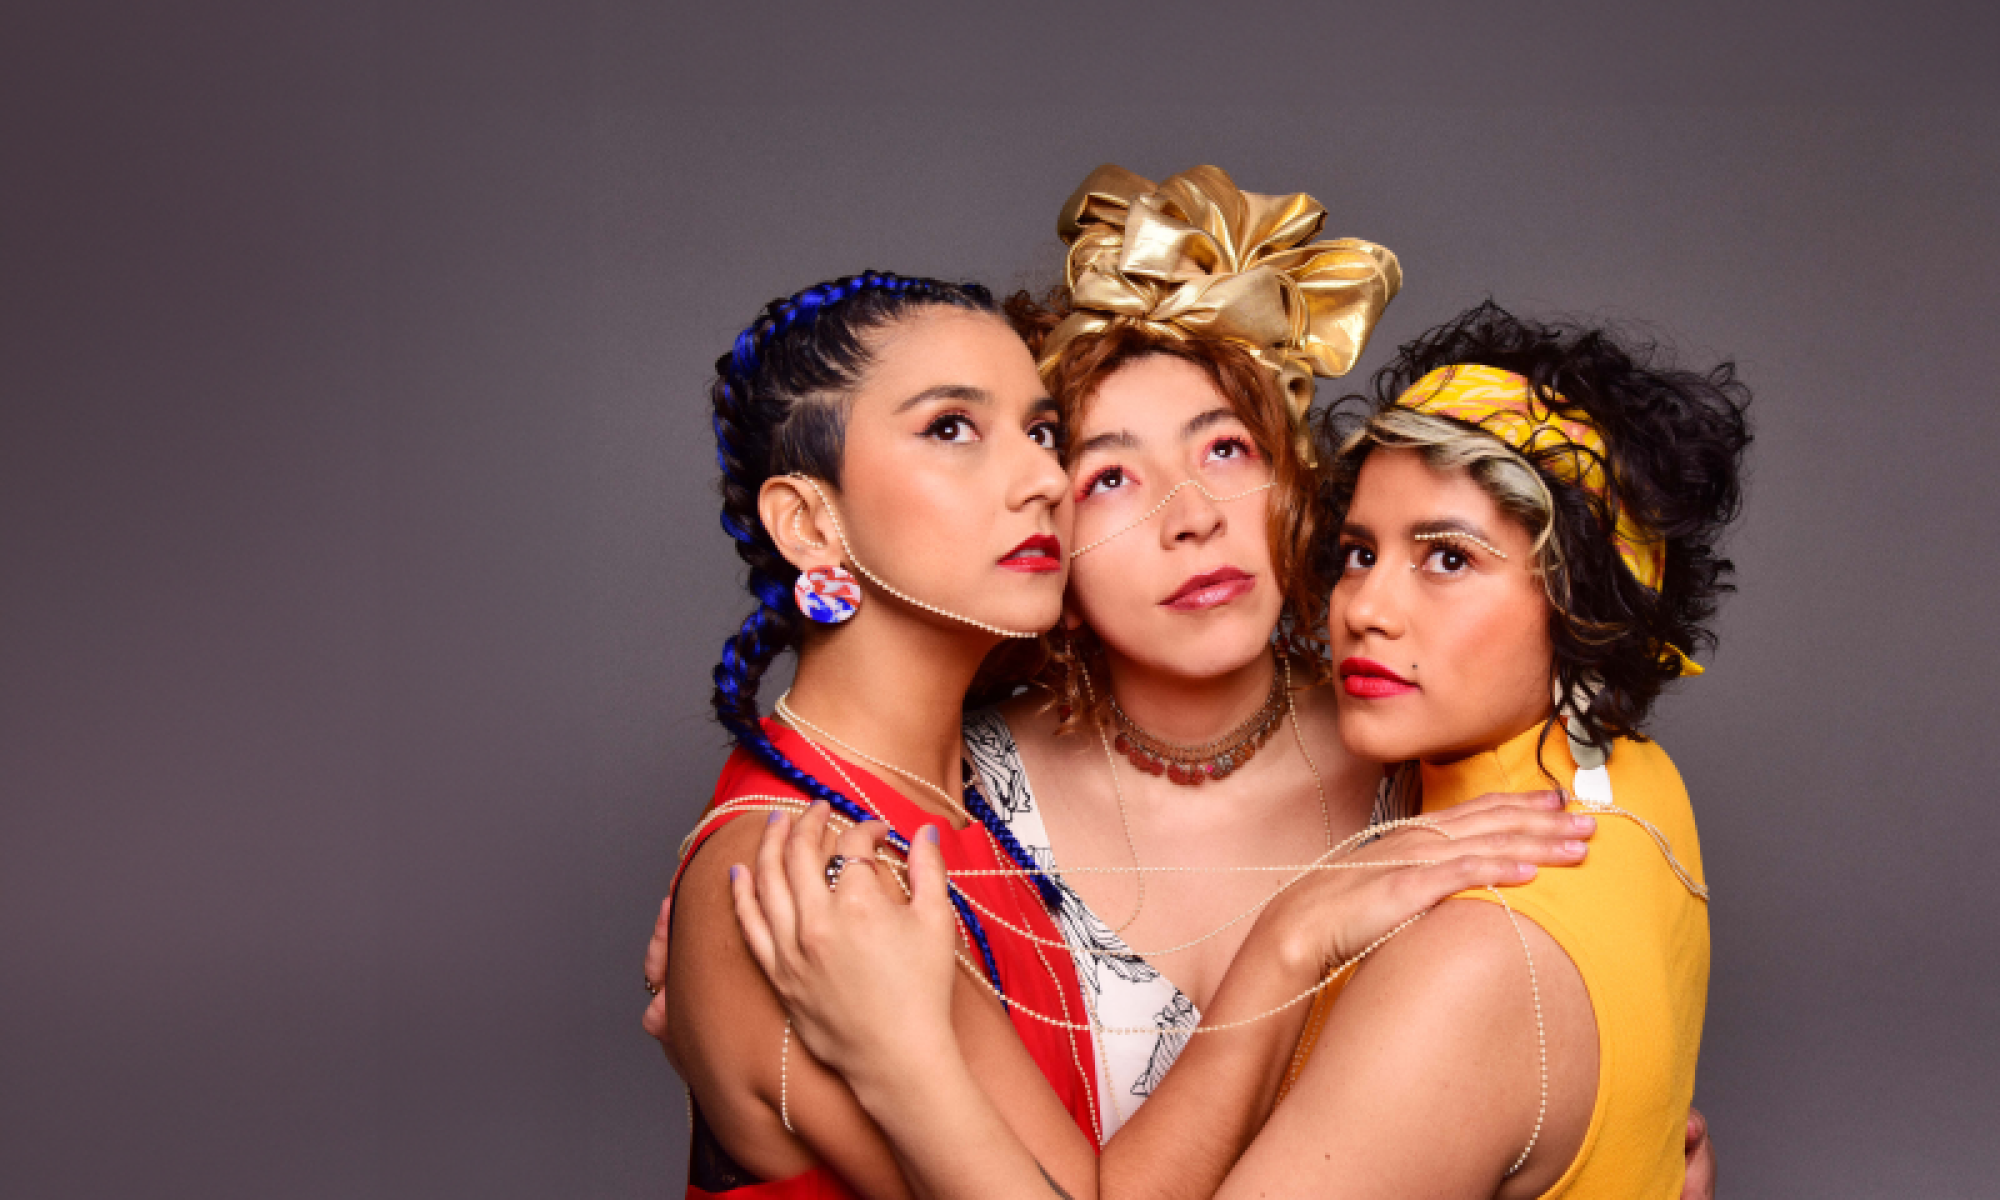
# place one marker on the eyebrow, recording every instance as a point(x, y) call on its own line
point(1214, 416)
point(964, 393)
point(1125, 439)
point(1119, 439)
point(1448, 525)
point(1432, 528)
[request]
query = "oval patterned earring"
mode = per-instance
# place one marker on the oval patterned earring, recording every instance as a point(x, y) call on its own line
point(828, 595)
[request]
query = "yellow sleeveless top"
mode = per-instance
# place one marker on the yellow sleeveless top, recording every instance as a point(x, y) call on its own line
point(1639, 938)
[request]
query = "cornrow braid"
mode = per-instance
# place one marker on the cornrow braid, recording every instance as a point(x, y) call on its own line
point(779, 407)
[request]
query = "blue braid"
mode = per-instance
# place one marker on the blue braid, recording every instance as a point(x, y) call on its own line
point(743, 654)
point(728, 680)
point(804, 307)
point(977, 805)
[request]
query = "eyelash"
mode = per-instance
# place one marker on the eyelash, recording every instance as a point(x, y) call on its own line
point(1089, 487)
point(1247, 449)
point(943, 421)
point(1446, 546)
point(1435, 545)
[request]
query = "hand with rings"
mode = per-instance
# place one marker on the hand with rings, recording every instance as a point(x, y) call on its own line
point(865, 975)
point(839, 863)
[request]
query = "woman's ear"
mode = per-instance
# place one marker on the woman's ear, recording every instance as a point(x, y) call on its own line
point(798, 522)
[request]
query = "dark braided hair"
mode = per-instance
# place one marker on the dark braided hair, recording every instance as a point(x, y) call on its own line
point(780, 406)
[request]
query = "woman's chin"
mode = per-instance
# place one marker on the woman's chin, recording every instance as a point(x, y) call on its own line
point(1026, 615)
point(1211, 653)
point(1372, 736)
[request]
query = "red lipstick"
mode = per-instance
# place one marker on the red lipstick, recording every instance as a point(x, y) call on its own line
point(1211, 590)
point(1038, 555)
point(1369, 680)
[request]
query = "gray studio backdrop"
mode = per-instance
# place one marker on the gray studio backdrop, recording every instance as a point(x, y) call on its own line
point(359, 574)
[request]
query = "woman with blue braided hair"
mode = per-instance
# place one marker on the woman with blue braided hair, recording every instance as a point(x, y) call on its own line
point(891, 476)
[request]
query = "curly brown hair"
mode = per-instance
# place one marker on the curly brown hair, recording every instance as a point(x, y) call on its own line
point(1056, 663)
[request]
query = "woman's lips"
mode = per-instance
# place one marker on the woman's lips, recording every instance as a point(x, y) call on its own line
point(1212, 590)
point(1370, 680)
point(1036, 556)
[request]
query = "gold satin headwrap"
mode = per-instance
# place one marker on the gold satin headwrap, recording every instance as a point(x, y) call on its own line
point(1505, 405)
point(1199, 257)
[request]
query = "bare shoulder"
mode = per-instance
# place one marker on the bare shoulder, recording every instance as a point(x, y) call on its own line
point(1438, 1029)
point(724, 1022)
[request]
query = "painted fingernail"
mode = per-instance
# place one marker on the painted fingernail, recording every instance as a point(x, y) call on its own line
point(776, 814)
point(1576, 848)
point(1582, 822)
point(1552, 799)
point(931, 834)
point(735, 873)
point(1525, 870)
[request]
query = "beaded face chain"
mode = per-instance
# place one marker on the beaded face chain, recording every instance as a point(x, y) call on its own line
point(1161, 507)
point(905, 597)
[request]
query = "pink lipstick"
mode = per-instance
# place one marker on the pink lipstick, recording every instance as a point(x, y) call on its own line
point(1210, 590)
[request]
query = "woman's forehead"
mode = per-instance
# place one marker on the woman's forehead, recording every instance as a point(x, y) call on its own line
point(1397, 489)
point(1153, 399)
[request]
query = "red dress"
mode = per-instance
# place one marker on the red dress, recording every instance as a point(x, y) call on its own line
point(1037, 977)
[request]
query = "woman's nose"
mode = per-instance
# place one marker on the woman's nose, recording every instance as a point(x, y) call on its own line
point(1039, 477)
point(1192, 515)
point(1372, 602)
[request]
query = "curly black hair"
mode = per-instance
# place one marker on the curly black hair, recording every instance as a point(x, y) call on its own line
point(1675, 441)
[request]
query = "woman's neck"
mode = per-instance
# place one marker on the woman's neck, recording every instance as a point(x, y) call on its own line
point(1489, 743)
point(894, 690)
point(1189, 709)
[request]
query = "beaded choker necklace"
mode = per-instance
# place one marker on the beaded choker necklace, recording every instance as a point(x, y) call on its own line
point(1191, 766)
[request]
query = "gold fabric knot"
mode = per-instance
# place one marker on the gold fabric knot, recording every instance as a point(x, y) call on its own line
point(1198, 256)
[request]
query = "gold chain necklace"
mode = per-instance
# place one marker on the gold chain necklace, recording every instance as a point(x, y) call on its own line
point(792, 718)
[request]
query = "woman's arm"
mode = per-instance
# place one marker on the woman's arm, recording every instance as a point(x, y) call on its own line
point(850, 968)
point(728, 1029)
point(1426, 1079)
point(1697, 1184)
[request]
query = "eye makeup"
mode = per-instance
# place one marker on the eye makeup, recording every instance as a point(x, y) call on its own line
point(1459, 535)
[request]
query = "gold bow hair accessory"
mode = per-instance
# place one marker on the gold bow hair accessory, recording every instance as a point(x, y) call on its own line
point(1199, 257)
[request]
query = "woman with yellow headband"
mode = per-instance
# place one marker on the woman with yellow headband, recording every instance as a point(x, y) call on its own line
point(1527, 553)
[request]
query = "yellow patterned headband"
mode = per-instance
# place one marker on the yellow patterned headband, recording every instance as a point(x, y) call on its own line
point(1198, 257)
point(1505, 405)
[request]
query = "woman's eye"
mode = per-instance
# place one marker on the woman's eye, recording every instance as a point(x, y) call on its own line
point(1446, 560)
point(1105, 480)
point(1231, 449)
point(1047, 435)
point(952, 427)
point(1355, 557)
